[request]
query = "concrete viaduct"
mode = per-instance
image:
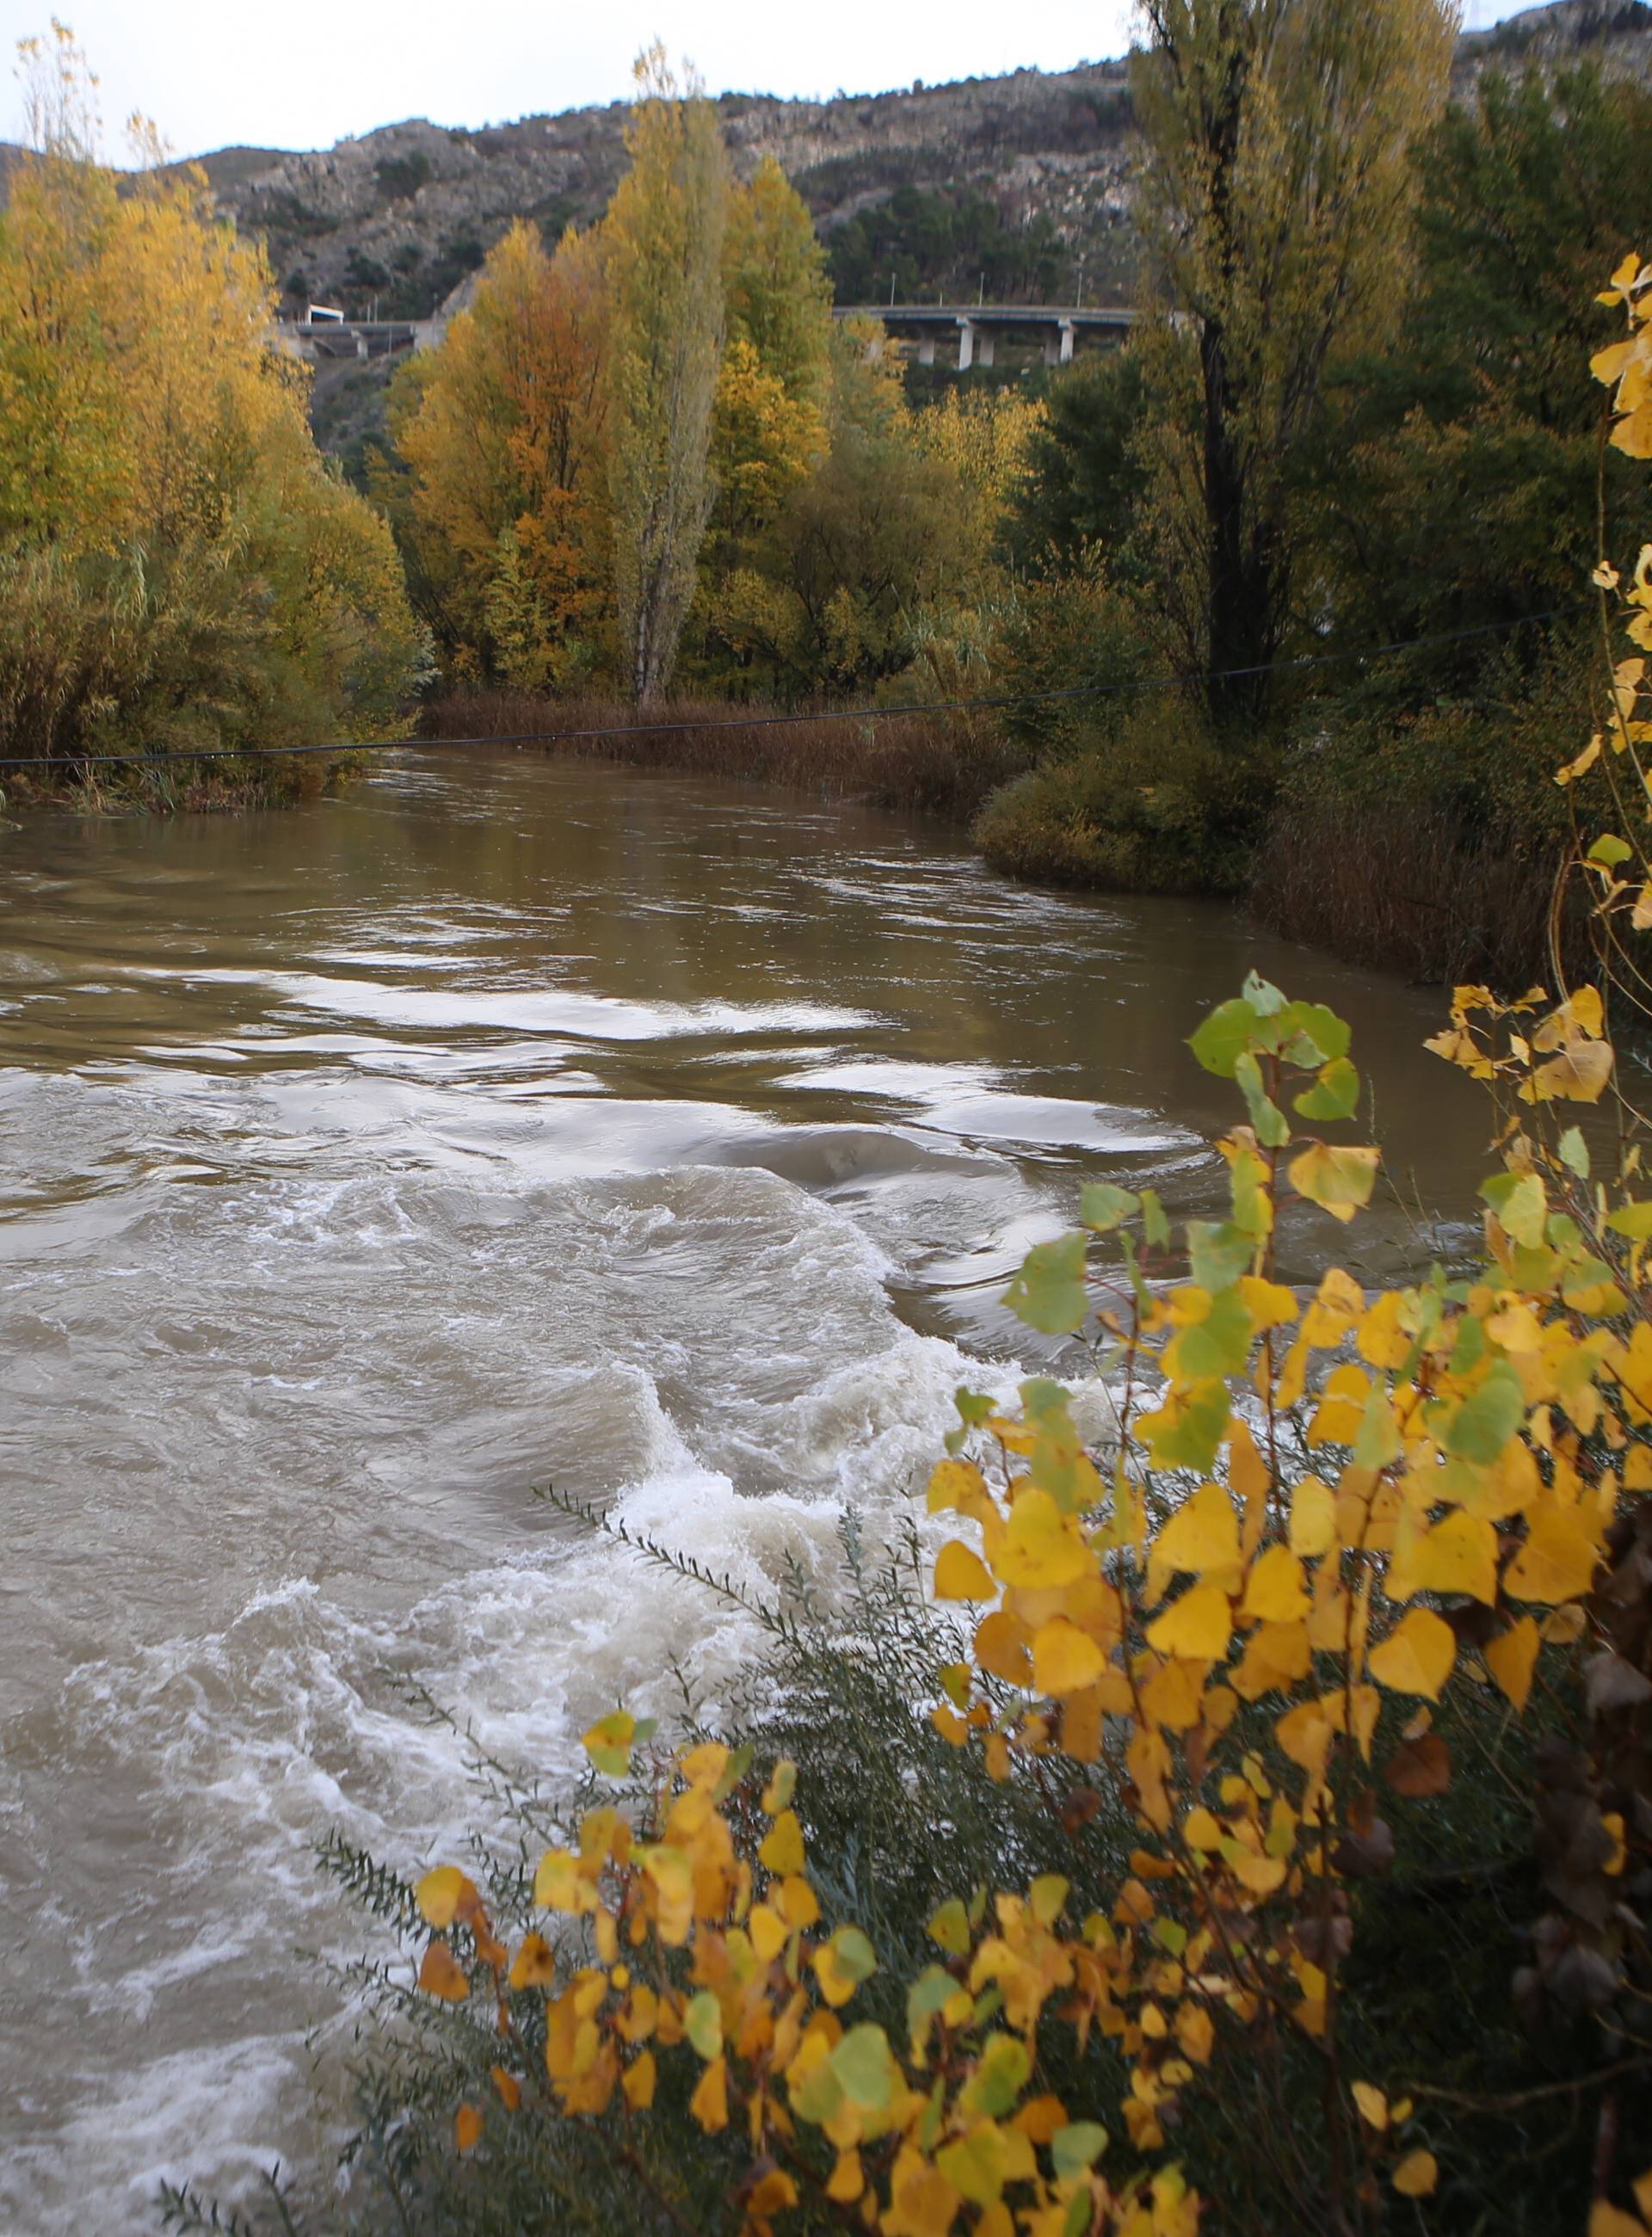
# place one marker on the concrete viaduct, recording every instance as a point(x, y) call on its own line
point(322, 337)
point(976, 328)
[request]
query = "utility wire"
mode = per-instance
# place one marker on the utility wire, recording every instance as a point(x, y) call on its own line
point(781, 721)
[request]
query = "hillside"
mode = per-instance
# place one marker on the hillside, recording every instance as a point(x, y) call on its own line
point(1019, 182)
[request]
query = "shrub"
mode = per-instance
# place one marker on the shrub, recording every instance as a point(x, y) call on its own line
point(1157, 809)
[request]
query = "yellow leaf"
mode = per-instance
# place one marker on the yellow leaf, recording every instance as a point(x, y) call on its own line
point(467, 2127)
point(1557, 1562)
point(1416, 2175)
point(1340, 1180)
point(1197, 1628)
point(509, 2088)
point(957, 1484)
point(439, 1894)
point(769, 1932)
point(441, 1975)
point(1304, 1733)
point(1313, 1517)
point(1065, 1659)
point(847, 2181)
point(961, 1575)
point(535, 1963)
point(1460, 1555)
point(1512, 1657)
point(639, 2079)
point(781, 1848)
point(1373, 2106)
point(710, 2103)
point(1273, 1591)
point(1578, 1074)
point(1202, 1535)
point(1001, 1648)
point(1041, 1548)
point(1417, 1656)
point(1200, 1830)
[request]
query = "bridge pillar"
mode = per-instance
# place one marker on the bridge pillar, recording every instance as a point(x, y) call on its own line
point(926, 349)
point(1058, 344)
point(984, 353)
point(965, 345)
point(361, 345)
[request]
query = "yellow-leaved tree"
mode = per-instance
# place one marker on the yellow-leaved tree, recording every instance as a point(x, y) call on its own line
point(663, 254)
point(501, 499)
point(180, 570)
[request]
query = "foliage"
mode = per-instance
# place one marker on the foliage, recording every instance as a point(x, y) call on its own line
point(1276, 198)
point(919, 243)
point(662, 247)
point(1132, 796)
point(498, 487)
point(1082, 492)
point(182, 571)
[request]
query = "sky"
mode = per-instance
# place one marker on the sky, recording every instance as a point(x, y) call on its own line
point(305, 73)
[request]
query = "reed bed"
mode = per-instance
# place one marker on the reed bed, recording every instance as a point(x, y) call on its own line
point(944, 764)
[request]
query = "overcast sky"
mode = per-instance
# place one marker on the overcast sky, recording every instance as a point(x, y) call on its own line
point(305, 73)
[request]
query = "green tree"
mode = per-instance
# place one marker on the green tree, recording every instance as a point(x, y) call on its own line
point(769, 430)
point(1275, 197)
point(664, 243)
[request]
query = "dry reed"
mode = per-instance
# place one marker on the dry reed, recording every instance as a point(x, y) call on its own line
point(946, 764)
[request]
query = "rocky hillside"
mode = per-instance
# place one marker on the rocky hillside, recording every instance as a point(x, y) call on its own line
point(1018, 184)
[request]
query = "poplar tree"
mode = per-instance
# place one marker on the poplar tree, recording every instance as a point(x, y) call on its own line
point(1276, 205)
point(663, 238)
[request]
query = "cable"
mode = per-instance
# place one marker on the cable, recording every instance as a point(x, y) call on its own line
point(780, 721)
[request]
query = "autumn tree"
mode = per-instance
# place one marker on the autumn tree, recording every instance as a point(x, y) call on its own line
point(1276, 200)
point(662, 244)
point(178, 568)
point(501, 499)
point(769, 426)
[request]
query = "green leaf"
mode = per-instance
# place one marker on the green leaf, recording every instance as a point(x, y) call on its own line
point(1048, 1293)
point(1333, 1095)
point(1272, 1128)
point(1317, 1035)
point(864, 2068)
point(1520, 1204)
point(1154, 1225)
point(703, 2024)
point(1220, 1344)
point(1609, 851)
point(1218, 1255)
point(1101, 1206)
point(925, 1997)
point(1264, 997)
point(1186, 1432)
point(855, 1954)
point(1634, 1220)
point(1484, 1423)
point(1000, 2078)
point(951, 1927)
point(1230, 1029)
point(1076, 2148)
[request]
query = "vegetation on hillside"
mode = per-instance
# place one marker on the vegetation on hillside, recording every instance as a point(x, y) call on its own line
point(180, 570)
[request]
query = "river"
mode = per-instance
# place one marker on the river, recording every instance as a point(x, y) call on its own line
point(504, 1122)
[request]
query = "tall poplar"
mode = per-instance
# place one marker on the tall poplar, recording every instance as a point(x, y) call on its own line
point(1276, 204)
point(663, 239)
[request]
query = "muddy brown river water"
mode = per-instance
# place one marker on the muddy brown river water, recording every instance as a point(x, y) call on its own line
point(362, 1167)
